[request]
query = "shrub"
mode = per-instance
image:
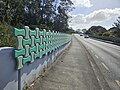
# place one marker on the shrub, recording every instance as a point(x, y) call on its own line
point(107, 34)
point(6, 37)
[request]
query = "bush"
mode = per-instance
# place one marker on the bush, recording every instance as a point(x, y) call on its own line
point(107, 34)
point(112, 39)
point(6, 37)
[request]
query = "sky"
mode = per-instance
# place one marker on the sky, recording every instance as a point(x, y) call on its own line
point(94, 12)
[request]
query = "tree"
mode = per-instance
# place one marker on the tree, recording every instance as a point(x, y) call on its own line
point(84, 30)
point(49, 14)
point(96, 30)
point(61, 19)
point(117, 26)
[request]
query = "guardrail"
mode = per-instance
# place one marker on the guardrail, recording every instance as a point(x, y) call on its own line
point(35, 51)
point(113, 40)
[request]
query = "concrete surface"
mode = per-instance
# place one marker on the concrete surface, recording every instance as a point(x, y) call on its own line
point(72, 71)
point(8, 74)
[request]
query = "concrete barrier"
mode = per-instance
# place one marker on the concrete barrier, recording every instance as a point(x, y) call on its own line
point(8, 73)
point(13, 79)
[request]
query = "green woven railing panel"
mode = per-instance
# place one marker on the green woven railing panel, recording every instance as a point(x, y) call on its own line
point(33, 44)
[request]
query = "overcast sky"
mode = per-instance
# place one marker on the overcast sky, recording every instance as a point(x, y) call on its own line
point(94, 12)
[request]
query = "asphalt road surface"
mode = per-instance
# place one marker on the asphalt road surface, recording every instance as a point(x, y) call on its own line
point(87, 65)
point(107, 58)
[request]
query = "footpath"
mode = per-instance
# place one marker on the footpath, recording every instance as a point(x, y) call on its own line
point(70, 72)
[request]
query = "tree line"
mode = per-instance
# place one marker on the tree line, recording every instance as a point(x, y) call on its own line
point(114, 31)
point(48, 14)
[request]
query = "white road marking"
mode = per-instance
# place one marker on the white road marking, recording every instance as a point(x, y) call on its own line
point(91, 64)
point(98, 79)
point(96, 56)
point(105, 66)
point(118, 82)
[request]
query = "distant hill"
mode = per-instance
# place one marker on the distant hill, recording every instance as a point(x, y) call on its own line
point(96, 30)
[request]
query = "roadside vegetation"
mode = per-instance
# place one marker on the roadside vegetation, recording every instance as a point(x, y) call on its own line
point(101, 31)
point(47, 14)
point(112, 34)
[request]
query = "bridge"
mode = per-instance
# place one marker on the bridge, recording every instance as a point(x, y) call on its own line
point(56, 61)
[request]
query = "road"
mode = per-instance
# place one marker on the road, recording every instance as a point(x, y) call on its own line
point(71, 71)
point(87, 65)
point(106, 56)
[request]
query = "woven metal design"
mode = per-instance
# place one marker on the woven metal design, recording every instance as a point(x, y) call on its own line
point(33, 44)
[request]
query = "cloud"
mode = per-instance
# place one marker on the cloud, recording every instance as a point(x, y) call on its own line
point(98, 16)
point(82, 3)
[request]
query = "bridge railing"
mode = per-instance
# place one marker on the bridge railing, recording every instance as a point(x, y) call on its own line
point(33, 44)
point(35, 51)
